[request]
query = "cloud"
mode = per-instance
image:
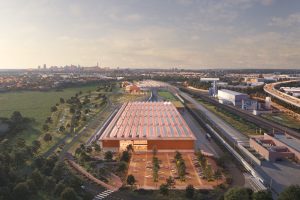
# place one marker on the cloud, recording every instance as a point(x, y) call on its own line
point(291, 20)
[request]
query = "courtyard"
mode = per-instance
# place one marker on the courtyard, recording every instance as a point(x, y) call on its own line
point(141, 168)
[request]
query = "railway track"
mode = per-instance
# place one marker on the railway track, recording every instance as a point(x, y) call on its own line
point(261, 122)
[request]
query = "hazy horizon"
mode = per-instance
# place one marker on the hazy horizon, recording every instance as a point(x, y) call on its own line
point(188, 34)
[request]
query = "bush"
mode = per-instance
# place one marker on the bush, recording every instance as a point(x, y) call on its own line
point(189, 191)
point(108, 155)
point(164, 189)
point(130, 179)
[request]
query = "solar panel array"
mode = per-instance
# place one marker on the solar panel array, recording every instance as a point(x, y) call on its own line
point(148, 120)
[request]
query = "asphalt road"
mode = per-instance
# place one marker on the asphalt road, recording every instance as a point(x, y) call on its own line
point(201, 142)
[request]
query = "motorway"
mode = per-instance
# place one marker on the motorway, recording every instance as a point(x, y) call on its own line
point(270, 89)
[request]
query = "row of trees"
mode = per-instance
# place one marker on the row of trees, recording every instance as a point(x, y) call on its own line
point(155, 165)
point(207, 169)
point(15, 124)
point(25, 175)
point(165, 187)
point(290, 193)
point(180, 164)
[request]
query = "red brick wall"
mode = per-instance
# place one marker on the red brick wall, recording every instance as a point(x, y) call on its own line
point(160, 144)
point(171, 144)
point(111, 143)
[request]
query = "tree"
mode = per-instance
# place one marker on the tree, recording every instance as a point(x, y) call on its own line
point(78, 151)
point(45, 127)
point(177, 156)
point(36, 145)
point(125, 156)
point(218, 174)
point(31, 186)
point(48, 120)
point(62, 128)
point(122, 166)
point(49, 184)
point(21, 143)
point(62, 100)
point(37, 178)
point(21, 191)
point(16, 118)
point(47, 137)
point(97, 147)
point(164, 189)
point(58, 170)
point(208, 173)
point(53, 109)
point(129, 148)
point(68, 194)
point(290, 193)
point(59, 188)
point(155, 164)
point(237, 193)
point(189, 191)
point(88, 149)
point(108, 155)
point(72, 110)
point(170, 182)
point(263, 195)
point(130, 180)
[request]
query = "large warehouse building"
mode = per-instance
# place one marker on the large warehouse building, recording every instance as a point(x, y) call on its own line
point(146, 125)
point(231, 97)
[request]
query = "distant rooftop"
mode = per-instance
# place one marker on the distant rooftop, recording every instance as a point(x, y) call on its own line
point(290, 141)
point(232, 92)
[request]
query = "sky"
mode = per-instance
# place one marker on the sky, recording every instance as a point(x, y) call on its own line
point(193, 34)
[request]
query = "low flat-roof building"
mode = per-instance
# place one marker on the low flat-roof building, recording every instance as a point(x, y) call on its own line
point(274, 148)
point(146, 125)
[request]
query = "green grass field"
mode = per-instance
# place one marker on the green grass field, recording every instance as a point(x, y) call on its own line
point(283, 119)
point(35, 104)
point(166, 95)
point(234, 120)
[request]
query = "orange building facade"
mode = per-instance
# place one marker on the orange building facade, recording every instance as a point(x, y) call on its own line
point(148, 125)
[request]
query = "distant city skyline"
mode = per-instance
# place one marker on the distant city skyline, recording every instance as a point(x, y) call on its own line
point(190, 34)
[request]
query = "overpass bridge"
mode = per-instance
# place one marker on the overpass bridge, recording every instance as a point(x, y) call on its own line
point(271, 90)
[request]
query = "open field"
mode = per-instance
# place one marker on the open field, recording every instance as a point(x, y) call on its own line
point(234, 120)
point(35, 104)
point(283, 119)
point(167, 95)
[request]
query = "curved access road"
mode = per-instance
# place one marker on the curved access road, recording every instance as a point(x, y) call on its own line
point(271, 90)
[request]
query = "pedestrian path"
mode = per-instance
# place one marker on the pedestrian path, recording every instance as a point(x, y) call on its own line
point(103, 195)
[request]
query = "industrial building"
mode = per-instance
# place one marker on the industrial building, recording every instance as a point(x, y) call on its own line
point(146, 125)
point(231, 97)
point(276, 147)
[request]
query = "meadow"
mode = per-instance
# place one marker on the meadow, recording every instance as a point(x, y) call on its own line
point(235, 121)
point(166, 95)
point(36, 104)
point(283, 119)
